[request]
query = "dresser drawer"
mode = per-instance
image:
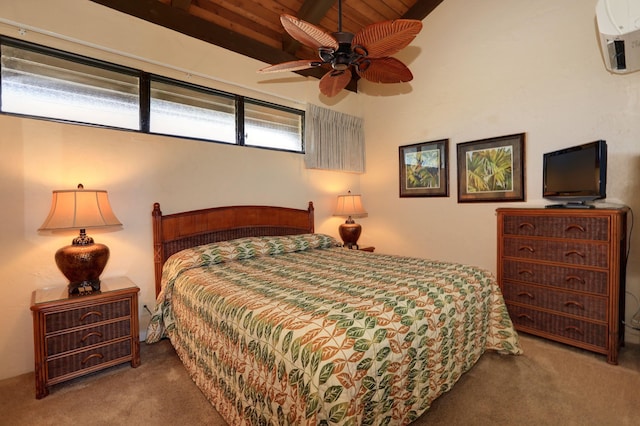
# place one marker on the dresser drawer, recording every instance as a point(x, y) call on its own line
point(586, 280)
point(89, 359)
point(87, 315)
point(558, 251)
point(64, 342)
point(531, 320)
point(579, 228)
point(578, 304)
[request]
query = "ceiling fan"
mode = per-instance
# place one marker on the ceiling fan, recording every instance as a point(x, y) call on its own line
point(368, 52)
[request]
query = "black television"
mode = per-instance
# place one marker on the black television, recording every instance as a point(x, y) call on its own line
point(575, 176)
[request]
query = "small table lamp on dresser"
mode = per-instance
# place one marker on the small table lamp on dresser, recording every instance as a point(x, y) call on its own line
point(350, 206)
point(83, 261)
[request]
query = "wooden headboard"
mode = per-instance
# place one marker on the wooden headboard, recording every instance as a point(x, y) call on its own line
point(178, 231)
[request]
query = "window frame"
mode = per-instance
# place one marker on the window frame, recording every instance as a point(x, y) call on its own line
point(144, 95)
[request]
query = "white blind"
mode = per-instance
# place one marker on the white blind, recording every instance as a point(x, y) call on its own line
point(334, 141)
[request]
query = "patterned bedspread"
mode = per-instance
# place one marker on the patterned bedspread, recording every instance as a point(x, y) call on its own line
point(297, 331)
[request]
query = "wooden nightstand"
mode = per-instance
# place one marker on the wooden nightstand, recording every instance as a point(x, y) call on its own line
point(369, 249)
point(78, 335)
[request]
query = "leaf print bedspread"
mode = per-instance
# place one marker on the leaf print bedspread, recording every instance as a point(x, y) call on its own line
point(297, 331)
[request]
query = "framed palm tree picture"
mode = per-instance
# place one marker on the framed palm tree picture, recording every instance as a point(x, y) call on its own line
point(491, 169)
point(424, 169)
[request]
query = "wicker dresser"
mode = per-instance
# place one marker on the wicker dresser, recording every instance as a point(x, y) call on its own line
point(77, 335)
point(562, 274)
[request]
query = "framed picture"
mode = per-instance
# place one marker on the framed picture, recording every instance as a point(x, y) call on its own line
point(491, 169)
point(424, 170)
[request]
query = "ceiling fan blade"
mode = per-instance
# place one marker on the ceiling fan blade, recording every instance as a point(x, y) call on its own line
point(290, 66)
point(306, 33)
point(384, 70)
point(334, 81)
point(386, 38)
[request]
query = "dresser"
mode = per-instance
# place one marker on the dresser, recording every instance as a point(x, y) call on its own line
point(562, 274)
point(77, 335)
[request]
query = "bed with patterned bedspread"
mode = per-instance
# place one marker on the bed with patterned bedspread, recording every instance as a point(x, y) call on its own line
point(296, 330)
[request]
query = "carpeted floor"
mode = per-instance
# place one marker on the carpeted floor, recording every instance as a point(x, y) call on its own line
point(551, 384)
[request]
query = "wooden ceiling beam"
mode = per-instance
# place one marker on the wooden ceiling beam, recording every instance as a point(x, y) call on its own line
point(181, 4)
point(421, 9)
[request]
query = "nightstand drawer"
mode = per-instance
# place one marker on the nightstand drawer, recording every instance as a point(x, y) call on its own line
point(570, 227)
point(558, 251)
point(577, 304)
point(585, 280)
point(64, 365)
point(64, 342)
point(87, 315)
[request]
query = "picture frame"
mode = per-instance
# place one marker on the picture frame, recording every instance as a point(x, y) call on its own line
point(424, 169)
point(492, 169)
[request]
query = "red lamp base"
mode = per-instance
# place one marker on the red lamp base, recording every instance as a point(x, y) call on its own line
point(350, 232)
point(82, 264)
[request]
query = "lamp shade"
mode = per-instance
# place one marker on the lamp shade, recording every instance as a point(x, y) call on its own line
point(79, 209)
point(350, 205)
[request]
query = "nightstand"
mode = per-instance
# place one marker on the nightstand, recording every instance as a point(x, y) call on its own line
point(369, 249)
point(77, 335)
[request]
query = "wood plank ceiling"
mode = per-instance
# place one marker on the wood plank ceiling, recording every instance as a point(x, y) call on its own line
point(252, 27)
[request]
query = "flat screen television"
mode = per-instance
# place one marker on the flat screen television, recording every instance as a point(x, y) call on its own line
point(575, 176)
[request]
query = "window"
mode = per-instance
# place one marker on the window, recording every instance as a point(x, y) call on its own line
point(272, 127)
point(186, 111)
point(46, 83)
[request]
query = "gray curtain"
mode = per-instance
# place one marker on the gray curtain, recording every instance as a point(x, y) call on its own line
point(333, 140)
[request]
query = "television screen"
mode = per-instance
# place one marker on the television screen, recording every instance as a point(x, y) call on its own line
point(577, 174)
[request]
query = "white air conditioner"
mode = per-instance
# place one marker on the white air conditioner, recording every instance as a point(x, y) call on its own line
point(619, 26)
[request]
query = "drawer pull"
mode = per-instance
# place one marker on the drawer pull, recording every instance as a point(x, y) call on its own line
point(525, 271)
point(574, 227)
point(93, 333)
point(87, 359)
point(576, 252)
point(573, 303)
point(527, 248)
point(525, 316)
point(88, 314)
point(575, 278)
point(527, 225)
point(574, 328)
point(526, 293)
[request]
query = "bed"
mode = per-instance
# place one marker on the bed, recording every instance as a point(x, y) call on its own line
point(278, 325)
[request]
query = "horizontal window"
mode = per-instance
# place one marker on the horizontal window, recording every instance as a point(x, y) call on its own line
point(272, 127)
point(47, 86)
point(184, 111)
point(47, 83)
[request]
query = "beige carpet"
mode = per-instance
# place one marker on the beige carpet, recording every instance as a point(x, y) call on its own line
point(551, 384)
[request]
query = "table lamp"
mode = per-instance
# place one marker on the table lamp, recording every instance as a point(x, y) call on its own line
point(83, 261)
point(350, 206)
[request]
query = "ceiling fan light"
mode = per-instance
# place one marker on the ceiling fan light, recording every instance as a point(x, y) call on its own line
point(326, 54)
point(360, 51)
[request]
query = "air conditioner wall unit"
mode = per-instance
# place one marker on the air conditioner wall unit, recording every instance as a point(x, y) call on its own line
point(619, 27)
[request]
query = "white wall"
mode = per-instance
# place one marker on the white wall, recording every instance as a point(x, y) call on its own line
point(491, 68)
point(39, 156)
